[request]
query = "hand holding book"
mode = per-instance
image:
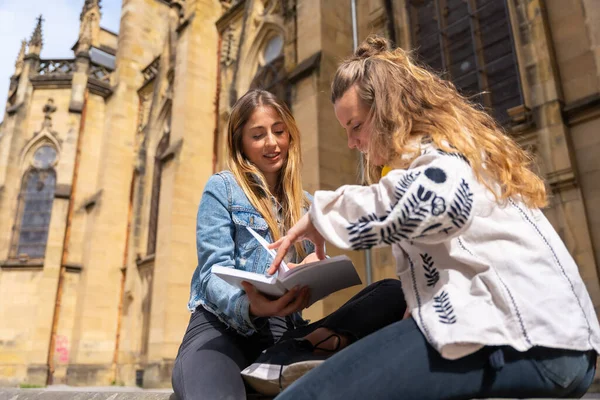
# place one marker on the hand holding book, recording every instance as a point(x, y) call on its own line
point(294, 300)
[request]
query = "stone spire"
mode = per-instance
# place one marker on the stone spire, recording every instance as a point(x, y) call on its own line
point(88, 6)
point(36, 42)
point(85, 36)
point(20, 57)
point(89, 28)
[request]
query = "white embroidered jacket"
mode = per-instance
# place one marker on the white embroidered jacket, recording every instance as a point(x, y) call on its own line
point(473, 272)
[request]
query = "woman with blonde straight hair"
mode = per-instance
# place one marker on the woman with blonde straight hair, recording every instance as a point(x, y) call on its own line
point(229, 327)
point(278, 180)
point(497, 306)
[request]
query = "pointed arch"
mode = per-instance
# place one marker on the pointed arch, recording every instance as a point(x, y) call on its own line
point(273, 78)
point(42, 138)
point(36, 197)
point(252, 60)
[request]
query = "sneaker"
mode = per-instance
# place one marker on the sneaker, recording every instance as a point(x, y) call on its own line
point(281, 365)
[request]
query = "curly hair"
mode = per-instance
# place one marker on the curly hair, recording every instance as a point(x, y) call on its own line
point(407, 102)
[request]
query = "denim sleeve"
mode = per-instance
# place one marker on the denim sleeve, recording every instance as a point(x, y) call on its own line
point(215, 246)
point(309, 247)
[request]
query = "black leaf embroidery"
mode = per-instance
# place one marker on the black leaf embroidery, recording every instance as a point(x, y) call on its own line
point(404, 183)
point(447, 229)
point(444, 308)
point(361, 235)
point(413, 212)
point(430, 228)
point(431, 272)
point(390, 234)
point(461, 206)
point(433, 230)
point(454, 154)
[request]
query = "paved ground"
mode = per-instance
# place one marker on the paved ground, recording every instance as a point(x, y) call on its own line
point(65, 388)
point(61, 392)
point(129, 393)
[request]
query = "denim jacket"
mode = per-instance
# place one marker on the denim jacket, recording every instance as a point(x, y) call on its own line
point(222, 239)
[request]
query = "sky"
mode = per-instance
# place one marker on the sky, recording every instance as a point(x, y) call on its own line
point(60, 30)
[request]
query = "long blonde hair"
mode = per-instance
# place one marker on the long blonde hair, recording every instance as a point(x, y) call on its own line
point(288, 189)
point(408, 101)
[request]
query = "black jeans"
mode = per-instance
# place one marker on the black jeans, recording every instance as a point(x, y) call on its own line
point(211, 356)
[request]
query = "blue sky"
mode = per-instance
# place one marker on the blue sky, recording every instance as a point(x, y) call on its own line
point(61, 26)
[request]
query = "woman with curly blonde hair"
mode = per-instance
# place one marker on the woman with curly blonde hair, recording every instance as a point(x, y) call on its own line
point(497, 305)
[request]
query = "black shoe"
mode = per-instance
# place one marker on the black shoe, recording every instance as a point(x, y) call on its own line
point(284, 363)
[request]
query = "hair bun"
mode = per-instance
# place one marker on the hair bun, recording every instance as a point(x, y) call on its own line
point(372, 46)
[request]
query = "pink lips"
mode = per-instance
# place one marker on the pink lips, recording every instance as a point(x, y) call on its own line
point(273, 159)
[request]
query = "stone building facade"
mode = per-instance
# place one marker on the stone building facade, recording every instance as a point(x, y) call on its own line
point(103, 157)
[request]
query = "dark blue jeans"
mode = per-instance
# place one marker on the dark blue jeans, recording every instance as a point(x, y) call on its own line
point(397, 362)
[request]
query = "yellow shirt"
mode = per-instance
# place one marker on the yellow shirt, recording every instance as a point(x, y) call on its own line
point(385, 170)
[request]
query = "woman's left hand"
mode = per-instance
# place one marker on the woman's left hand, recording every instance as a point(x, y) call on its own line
point(303, 230)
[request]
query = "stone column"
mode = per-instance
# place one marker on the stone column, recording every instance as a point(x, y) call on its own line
point(94, 345)
point(187, 165)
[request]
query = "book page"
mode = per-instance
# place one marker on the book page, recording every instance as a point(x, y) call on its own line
point(322, 277)
point(264, 283)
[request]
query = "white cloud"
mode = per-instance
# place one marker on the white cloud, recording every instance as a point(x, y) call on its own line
point(60, 29)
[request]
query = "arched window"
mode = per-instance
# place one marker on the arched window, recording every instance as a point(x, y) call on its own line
point(35, 206)
point(273, 49)
point(271, 76)
point(155, 199)
point(471, 42)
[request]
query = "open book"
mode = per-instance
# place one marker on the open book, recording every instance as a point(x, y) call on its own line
point(322, 277)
